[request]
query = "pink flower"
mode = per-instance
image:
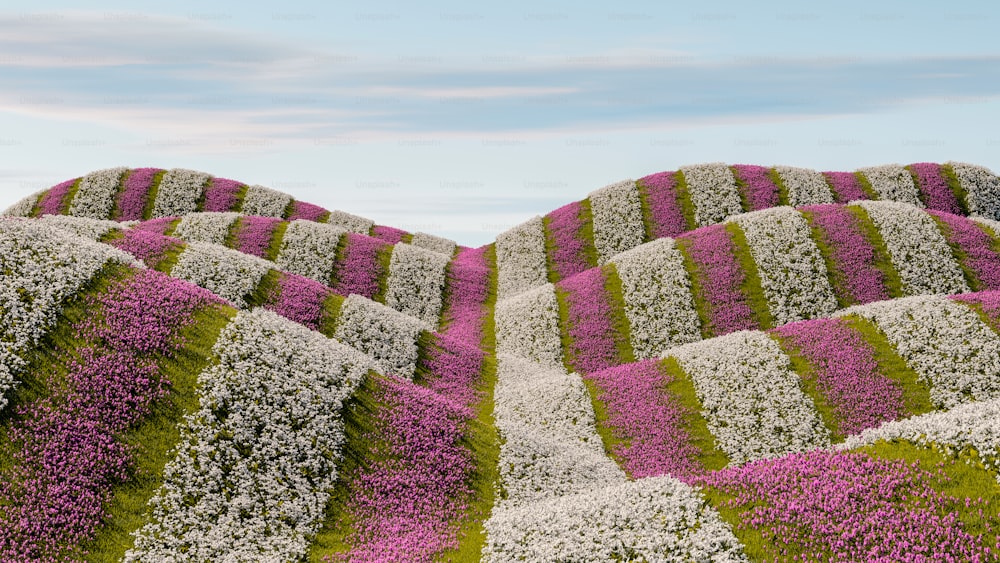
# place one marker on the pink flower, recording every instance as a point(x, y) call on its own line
point(664, 205)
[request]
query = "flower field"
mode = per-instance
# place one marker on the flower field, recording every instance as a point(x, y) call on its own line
point(718, 363)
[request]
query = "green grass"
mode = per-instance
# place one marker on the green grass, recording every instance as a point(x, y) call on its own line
point(289, 209)
point(916, 184)
point(836, 277)
point(971, 278)
point(619, 319)
point(169, 260)
point(550, 250)
point(684, 199)
point(783, 196)
point(866, 186)
point(169, 231)
point(324, 217)
point(809, 385)
point(274, 247)
point(741, 189)
point(883, 260)
point(266, 290)
point(681, 388)
point(751, 285)
point(70, 196)
point(384, 262)
point(232, 237)
point(241, 194)
point(605, 430)
point(647, 212)
point(568, 357)
point(586, 233)
point(199, 204)
point(956, 188)
point(339, 256)
point(37, 207)
point(331, 314)
point(116, 211)
point(154, 189)
point(697, 293)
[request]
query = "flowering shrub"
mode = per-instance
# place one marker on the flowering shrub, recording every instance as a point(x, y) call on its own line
point(179, 192)
point(852, 253)
point(521, 260)
point(210, 227)
point(307, 211)
point(309, 249)
point(944, 342)
point(388, 336)
point(720, 277)
point(845, 186)
point(664, 204)
point(713, 191)
point(265, 202)
point(657, 295)
point(254, 234)
point(468, 289)
point(528, 326)
point(362, 268)
point(132, 200)
point(917, 248)
point(416, 280)
point(53, 201)
point(95, 197)
point(792, 272)
point(982, 187)
point(84, 227)
point(24, 206)
point(351, 223)
point(148, 247)
point(438, 244)
point(751, 399)
point(299, 299)
point(654, 519)
point(934, 187)
point(567, 241)
point(230, 274)
point(805, 186)
point(220, 195)
point(390, 235)
point(253, 471)
point(756, 186)
point(976, 247)
point(892, 182)
point(589, 322)
point(617, 213)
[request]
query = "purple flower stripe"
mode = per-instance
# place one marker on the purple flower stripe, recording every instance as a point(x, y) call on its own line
point(847, 374)
point(847, 506)
point(934, 188)
point(845, 186)
point(54, 200)
point(664, 207)
point(254, 234)
point(590, 329)
point(390, 235)
point(405, 507)
point(853, 255)
point(132, 200)
point(307, 211)
point(759, 191)
point(157, 226)
point(989, 301)
point(720, 275)
point(650, 421)
point(221, 194)
point(146, 246)
point(360, 271)
point(468, 288)
point(65, 451)
point(299, 299)
point(453, 369)
point(977, 246)
point(568, 253)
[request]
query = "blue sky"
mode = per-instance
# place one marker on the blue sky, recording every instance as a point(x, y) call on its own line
point(462, 119)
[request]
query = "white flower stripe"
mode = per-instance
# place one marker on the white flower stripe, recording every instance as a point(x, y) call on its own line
point(251, 476)
point(617, 219)
point(265, 202)
point(95, 196)
point(654, 519)
point(178, 192)
point(350, 223)
point(521, 261)
point(435, 243)
point(309, 249)
point(805, 186)
point(982, 187)
point(416, 282)
point(210, 227)
point(918, 250)
point(386, 335)
point(528, 326)
point(228, 273)
point(750, 397)
point(892, 182)
point(85, 227)
point(792, 272)
point(24, 206)
point(945, 342)
point(657, 295)
point(713, 191)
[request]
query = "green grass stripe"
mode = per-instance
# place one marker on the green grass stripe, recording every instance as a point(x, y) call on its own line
point(232, 237)
point(407, 238)
point(741, 189)
point(866, 186)
point(384, 262)
point(70, 196)
point(568, 357)
point(610, 442)
point(324, 218)
point(971, 277)
point(837, 278)
point(684, 200)
point(116, 211)
point(701, 306)
point(169, 230)
point(755, 546)
point(956, 188)
point(883, 260)
point(916, 183)
point(550, 250)
point(37, 207)
point(647, 211)
point(489, 322)
point(266, 291)
point(586, 233)
point(241, 194)
point(916, 393)
point(619, 319)
point(330, 314)
point(154, 189)
point(199, 204)
point(289, 209)
point(277, 236)
point(783, 196)
point(810, 386)
point(751, 286)
point(339, 256)
point(169, 260)
point(681, 388)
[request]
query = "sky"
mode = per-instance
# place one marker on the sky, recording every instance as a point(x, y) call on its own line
point(464, 119)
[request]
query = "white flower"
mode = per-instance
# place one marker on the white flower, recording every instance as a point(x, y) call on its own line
point(945, 342)
point(617, 219)
point(309, 249)
point(892, 182)
point(521, 261)
point(179, 192)
point(528, 326)
point(416, 282)
point(350, 223)
point(24, 206)
point(252, 474)
point(95, 196)
point(85, 227)
point(750, 397)
point(265, 202)
point(657, 295)
point(654, 519)
point(917, 248)
point(228, 273)
point(982, 187)
point(435, 243)
point(210, 227)
point(792, 272)
point(713, 191)
point(388, 336)
point(805, 186)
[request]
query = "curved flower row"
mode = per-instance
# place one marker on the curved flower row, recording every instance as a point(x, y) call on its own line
point(381, 332)
point(95, 196)
point(265, 202)
point(308, 249)
point(350, 222)
point(852, 256)
point(230, 274)
point(713, 191)
point(210, 227)
point(567, 246)
point(528, 325)
point(975, 247)
point(251, 476)
point(756, 186)
point(178, 192)
point(934, 188)
point(254, 234)
point(618, 224)
point(416, 282)
point(982, 187)
point(132, 199)
point(805, 186)
point(521, 258)
point(90, 229)
point(892, 182)
point(438, 244)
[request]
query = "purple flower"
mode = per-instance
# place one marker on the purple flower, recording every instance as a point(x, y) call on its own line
point(390, 235)
point(361, 269)
point(845, 186)
point(451, 368)
point(54, 200)
point(853, 255)
point(147, 246)
point(565, 234)
point(254, 235)
point(468, 279)
point(299, 299)
point(756, 186)
point(664, 205)
point(158, 226)
point(132, 199)
point(977, 247)
point(221, 194)
point(591, 331)
point(934, 189)
point(720, 277)
point(307, 211)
